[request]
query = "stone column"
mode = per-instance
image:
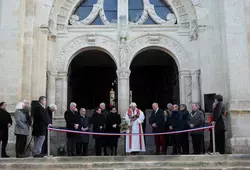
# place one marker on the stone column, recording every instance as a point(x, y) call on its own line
point(51, 67)
point(61, 93)
point(196, 91)
point(123, 90)
point(185, 88)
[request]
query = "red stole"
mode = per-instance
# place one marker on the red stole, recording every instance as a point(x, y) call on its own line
point(130, 114)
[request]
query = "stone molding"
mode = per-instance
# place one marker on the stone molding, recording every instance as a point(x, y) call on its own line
point(132, 48)
point(99, 42)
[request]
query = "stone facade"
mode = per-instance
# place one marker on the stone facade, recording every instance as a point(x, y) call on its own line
point(209, 45)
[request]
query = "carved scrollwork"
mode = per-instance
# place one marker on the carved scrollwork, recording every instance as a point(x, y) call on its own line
point(98, 10)
point(149, 11)
point(193, 30)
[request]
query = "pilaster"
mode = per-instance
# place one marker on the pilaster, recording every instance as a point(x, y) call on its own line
point(61, 93)
point(196, 92)
point(185, 88)
point(123, 90)
point(27, 49)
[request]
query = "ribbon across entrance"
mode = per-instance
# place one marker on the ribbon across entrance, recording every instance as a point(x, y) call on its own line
point(127, 134)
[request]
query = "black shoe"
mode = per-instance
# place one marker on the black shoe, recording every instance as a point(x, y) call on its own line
point(5, 156)
point(38, 156)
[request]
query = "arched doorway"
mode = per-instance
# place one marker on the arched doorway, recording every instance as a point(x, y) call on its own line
point(154, 78)
point(92, 75)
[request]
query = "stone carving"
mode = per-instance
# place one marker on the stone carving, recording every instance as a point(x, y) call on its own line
point(193, 30)
point(154, 39)
point(123, 42)
point(196, 73)
point(162, 41)
point(149, 10)
point(196, 2)
point(98, 9)
point(91, 38)
point(171, 18)
point(84, 41)
point(183, 9)
point(74, 20)
point(123, 73)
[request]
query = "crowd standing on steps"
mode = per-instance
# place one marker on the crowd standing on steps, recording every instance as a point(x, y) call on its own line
point(174, 118)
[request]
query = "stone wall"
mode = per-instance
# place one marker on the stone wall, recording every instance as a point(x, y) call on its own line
point(11, 51)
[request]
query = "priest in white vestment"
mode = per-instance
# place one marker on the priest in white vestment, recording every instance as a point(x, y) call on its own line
point(135, 117)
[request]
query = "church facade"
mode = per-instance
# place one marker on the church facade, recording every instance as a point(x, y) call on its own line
point(207, 40)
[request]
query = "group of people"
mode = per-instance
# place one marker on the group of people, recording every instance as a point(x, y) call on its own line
point(39, 120)
point(174, 118)
point(102, 121)
point(177, 118)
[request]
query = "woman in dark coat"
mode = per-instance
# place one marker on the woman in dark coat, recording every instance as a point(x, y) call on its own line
point(167, 138)
point(184, 136)
point(83, 142)
point(98, 121)
point(112, 126)
point(5, 124)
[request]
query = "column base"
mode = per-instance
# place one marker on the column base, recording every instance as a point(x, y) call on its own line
point(240, 145)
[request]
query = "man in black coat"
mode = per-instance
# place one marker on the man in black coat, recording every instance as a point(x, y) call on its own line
point(158, 124)
point(176, 124)
point(5, 124)
point(72, 118)
point(40, 126)
point(219, 123)
point(105, 113)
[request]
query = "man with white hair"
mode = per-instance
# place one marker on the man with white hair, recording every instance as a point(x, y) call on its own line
point(134, 117)
point(72, 119)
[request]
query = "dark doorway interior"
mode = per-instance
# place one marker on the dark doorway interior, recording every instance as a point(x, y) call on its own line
point(91, 74)
point(154, 78)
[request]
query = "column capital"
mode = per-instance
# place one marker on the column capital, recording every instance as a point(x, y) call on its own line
point(44, 29)
point(52, 73)
point(196, 72)
point(52, 37)
point(184, 73)
point(62, 74)
point(123, 73)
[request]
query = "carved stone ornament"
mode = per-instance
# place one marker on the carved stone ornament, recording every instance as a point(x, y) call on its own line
point(154, 39)
point(196, 2)
point(123, 73)
point(149, 11)
point(98, 10)
point(160, 41)
point(91, 38)
point(193, 30)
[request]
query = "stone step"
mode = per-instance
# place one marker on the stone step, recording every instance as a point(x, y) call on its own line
point(140, 158)
point(123, 164)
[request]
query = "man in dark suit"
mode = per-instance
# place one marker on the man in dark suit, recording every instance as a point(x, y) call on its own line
point(158, 124)
point(40, 126)
point(72, 118)
point(219, 123)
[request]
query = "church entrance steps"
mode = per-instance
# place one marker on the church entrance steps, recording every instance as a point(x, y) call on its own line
point(206, 162)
